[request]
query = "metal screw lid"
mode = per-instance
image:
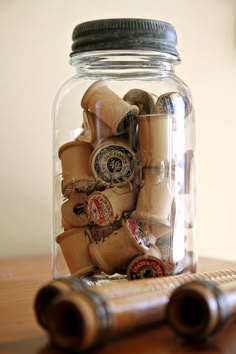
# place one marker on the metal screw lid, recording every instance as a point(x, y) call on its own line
point(125, 34)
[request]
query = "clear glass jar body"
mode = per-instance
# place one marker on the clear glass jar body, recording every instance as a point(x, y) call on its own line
point(124, 181)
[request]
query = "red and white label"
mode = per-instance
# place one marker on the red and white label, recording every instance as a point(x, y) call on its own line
point(148, 263)
point(100, 210)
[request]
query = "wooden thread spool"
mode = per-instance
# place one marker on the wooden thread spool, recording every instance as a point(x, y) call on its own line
point(173, 103)
point(154, 202)
point(49, 292)
point(154, 231)
point(99, 233)
point(55, 288)
point(74, 244)
point(79, 321)
point(198, 309)
point(74, 210)
point(94, 128)
point(119, 248)
point(165, 245)
point(95, 320)
point(109, 107)
point(113, 162)
point(155, 139)
point(148, 265)
point(142, 99)
point(74, 157)
point(108, 206)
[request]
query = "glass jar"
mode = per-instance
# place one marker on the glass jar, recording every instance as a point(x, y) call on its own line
point(124, 156)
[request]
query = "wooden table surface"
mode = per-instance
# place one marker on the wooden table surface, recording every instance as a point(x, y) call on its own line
point(20, 278)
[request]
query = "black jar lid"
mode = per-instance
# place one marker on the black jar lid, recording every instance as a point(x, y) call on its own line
point(124, 34)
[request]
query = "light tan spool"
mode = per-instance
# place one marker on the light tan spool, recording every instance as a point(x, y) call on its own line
point(105, 207)
point(153, 230)
point(173, 103)
point(74, 244)
point(66, 226)
point(165, 245)
point(154, 174)
point(74, 210)
point(119, 248)
point(109, 107)
point(148, 265)
point(155, 139)
point(74, 157)
point(155, 202)
point(94, 128)
point(99, 233)
point(142, 99)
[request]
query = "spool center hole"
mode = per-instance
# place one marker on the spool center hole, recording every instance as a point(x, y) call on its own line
point(191, 311)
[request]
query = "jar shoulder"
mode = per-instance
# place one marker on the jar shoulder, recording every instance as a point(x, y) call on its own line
point(76, 86)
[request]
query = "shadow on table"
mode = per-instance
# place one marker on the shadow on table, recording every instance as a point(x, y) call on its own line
point(153, 340)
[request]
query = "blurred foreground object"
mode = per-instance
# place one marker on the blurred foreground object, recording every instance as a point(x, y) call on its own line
point(198, 309)
point(77, 315)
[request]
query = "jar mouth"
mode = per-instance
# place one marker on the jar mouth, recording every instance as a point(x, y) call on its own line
point(123, 57)
point(124, 65)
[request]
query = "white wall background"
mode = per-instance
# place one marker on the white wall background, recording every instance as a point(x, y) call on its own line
point(35, 39)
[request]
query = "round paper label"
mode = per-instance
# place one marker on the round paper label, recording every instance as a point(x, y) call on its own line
point(114, 164)
point(100, 210)
point(146, 268)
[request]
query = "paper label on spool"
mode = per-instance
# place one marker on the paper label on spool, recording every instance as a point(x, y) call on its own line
point(171, 103)
point(78, 186)
point(100, 210)
point(137, 233)
point(114, 164)
point(175, 104)
point(68, 190)
point(146, 268)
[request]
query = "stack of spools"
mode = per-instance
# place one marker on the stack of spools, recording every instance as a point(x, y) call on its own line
point(119, 185)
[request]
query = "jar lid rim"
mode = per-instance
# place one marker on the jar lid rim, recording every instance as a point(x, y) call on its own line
point(124, 34)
